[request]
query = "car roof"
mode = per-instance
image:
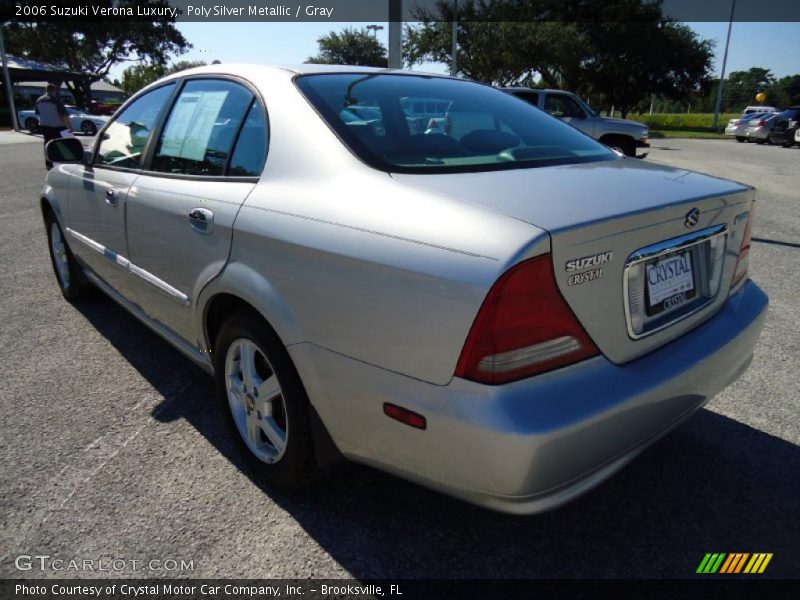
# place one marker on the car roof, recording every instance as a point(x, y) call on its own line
point(528, 89)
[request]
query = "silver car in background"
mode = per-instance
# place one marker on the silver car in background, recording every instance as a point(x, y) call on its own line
point(758, 129)
point(738, 127)
point(508, 313)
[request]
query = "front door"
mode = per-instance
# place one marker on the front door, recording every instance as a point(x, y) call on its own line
point(98, 195)
point(568, 110)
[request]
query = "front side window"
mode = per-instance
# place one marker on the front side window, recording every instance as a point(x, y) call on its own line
point(124, 141)
point(202, 127)
point(562, 107)
point(478, 128)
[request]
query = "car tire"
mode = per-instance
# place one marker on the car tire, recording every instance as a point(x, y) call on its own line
point(69, 274)
point(267, 406)
point(89, 128)
point(32, 125)
point(787, 144)
point(740, 139)
point(625, 145)
point(761, 142)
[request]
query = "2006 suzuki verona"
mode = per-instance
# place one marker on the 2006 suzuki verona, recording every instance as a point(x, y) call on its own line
point(499, 307)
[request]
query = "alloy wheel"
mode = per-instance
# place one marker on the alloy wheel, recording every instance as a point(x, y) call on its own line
point(256, 400)
point(60, 257)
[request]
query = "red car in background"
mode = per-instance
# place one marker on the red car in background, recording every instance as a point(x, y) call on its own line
point(96, 107)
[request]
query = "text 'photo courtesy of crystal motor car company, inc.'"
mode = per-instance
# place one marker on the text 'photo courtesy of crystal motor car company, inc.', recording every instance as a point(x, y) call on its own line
point(504, 310)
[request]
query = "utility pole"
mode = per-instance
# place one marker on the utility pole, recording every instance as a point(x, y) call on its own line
point(454, 51)
point(395, 34)
point(722, 76)
point(7, 83)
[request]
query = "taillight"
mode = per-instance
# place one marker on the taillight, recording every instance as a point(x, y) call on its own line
point(523, 327)
point(761, 123)
point(744, 250)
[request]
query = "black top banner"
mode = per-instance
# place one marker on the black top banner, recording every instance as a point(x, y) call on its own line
point(411, 10)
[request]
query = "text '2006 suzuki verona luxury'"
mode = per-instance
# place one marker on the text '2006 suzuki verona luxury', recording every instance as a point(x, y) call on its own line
point(507, 311)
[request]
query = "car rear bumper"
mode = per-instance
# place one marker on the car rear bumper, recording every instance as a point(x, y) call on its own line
point(534, 444)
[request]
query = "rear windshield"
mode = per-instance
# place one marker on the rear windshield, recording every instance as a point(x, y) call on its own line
point(420, 124)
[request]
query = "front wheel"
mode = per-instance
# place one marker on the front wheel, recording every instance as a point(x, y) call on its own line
point(69, 275)
point(265, 400)
point(32, 125)
point(740, 139)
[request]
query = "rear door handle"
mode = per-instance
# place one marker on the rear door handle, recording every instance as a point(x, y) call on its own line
point(111, 197)
point(201, 220)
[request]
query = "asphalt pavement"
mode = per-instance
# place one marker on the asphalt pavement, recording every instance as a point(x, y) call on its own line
point(113, 446)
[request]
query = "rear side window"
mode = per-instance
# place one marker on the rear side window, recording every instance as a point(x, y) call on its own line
point(124, 141)
point(479, 128)
point(202, 127)
point(251, 146)
point(531, 98)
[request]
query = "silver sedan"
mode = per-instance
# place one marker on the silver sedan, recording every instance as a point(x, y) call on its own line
point(508, 312)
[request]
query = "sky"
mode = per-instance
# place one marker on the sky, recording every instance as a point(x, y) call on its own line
point(774, 46)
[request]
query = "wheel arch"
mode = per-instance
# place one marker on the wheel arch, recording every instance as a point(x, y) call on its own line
point(221, 299)
point(240, 288)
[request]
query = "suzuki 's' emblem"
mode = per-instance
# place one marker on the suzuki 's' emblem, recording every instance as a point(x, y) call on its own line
point(692, 217)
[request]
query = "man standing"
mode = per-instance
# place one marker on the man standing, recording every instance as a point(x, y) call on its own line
point(53, 117)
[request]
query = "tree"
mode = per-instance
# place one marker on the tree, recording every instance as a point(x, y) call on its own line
point(350, 47)
point(138, 76)
point(785, 92)
point(742, 86)
point(94, 47)
point(617, 51)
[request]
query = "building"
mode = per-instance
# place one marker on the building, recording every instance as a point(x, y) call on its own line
point(27, 92)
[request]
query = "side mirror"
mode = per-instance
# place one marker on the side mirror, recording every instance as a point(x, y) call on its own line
point(65, 150)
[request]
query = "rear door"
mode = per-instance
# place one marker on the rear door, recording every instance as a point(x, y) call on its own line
point(180, 212)
point(99, 195)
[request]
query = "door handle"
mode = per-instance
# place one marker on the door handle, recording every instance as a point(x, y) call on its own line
point(111, 197)
point(201, 220)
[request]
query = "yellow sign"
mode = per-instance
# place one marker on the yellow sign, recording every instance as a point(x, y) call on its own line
point(761, 96)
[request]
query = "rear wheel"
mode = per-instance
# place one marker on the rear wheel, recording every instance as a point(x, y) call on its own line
point(262, 393)
point(31, 124)
point(761, 142)
point(69, 274)
point(89, 128)
point(787, 144)
point(740, 138)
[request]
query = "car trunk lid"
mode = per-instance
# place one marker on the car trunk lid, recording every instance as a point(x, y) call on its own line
point(611, 224)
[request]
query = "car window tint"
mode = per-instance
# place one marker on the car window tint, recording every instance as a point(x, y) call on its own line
point(202, 125)
point(125, 139)
point(562, 106)
point(481, 128)
point(529, 97)
point(251, 146)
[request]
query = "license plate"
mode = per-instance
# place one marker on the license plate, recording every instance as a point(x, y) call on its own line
point(670, 282)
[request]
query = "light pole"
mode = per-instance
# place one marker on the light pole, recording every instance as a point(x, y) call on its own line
point(722, 76)
point(395, 34)
point(7, 83)
point(375, 29)
point(454, 51)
